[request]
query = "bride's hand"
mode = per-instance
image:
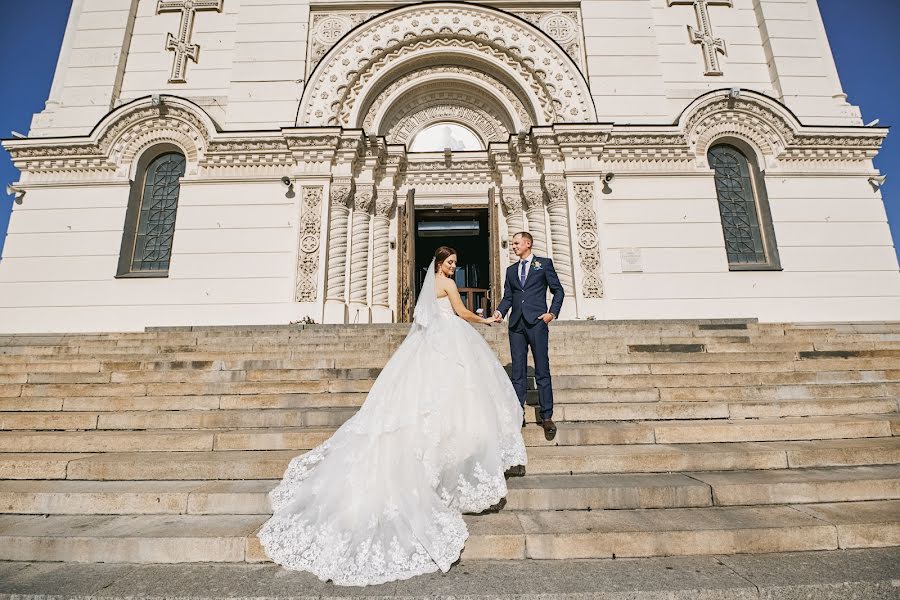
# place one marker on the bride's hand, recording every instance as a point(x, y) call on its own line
point(488, 322)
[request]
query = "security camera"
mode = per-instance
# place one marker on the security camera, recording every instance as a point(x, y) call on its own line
point(734, 93)
point(873, 123)
point(286, 181)
point(609, 177)
point(16, 134)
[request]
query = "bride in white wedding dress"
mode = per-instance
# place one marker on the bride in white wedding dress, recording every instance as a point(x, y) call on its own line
point(383, 498)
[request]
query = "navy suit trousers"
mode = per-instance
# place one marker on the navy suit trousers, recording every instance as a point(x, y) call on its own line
point(523, 335)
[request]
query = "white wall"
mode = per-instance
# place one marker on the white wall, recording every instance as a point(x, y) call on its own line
point(837, 256)
point(234, 260)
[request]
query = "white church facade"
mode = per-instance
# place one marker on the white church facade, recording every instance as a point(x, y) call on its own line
point(214, 162)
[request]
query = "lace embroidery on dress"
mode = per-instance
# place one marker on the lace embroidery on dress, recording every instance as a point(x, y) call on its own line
point(383, 498)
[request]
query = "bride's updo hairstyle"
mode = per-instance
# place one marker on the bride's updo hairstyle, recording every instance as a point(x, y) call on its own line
point(440, 255)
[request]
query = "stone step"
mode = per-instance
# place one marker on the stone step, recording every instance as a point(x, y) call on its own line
point(837, 366)
point(534, 492)
point(579, 377)
point(796, 486)
point(726, 456)
point(646, 411)
point(636, 458)
point(150, 439)
point(353, 359)
point(868, 573)
point(550, 535)
point(572, 388)
point(685, 531)
point(332, 410)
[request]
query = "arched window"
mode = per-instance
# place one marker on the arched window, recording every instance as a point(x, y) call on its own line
point(440, 136)
point(744, 209)
point(150, 219)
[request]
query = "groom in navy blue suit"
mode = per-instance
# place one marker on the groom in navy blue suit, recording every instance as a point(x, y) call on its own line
point(525, 297)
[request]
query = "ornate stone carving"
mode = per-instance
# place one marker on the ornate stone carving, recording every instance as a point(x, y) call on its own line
point(337, 239)
point(488, 128)
point(359, 244)
point(463, 73)
point(381, 224)
point(558, 212)
point(181, 45)
point(588, 243)
point(328, 28)
point(511, 198)
point(533, 199)
point(308, 255)
point(710, 44)
point(517, 51)
point(561, 25)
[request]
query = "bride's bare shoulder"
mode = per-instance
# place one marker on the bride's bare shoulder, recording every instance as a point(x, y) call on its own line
point(443, 285)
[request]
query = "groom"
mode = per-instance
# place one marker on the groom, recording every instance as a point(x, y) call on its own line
point(525, 292)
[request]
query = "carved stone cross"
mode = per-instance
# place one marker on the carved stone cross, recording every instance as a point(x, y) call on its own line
point(710, 44)
point(181, 44)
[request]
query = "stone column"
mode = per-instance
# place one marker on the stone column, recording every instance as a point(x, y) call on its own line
point(359, 253)
point(558, 210)
point(337, 241)
point(380, 267)
point(512, 203)
point(335, 283)
point(533, 197)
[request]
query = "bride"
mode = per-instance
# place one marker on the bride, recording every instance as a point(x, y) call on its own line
point(383, 498)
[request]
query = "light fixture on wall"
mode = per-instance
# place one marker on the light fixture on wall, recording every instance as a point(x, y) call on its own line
point(877, 181)
point(286, 182)
point(392, 241)
point(607, 179)
point(18, 192)
point(504, 241)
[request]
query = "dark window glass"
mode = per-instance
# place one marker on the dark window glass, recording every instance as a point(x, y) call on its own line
point(744, 242)
point(156, 222)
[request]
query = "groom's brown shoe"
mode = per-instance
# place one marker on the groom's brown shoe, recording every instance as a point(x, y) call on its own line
point(549, 426)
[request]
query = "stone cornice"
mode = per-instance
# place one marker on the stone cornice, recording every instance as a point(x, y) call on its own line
point(108, 153)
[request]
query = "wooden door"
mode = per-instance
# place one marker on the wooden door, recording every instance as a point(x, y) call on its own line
point(406, 257)
point(495, 289)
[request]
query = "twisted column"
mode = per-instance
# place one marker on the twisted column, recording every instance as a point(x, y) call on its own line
point(359, 244)
point(533, 198)
point(558, 209)
point(512, 202)
point(337, 242)
point(381, 225)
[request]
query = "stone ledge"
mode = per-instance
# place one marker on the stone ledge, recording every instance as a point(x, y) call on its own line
point(830, 575)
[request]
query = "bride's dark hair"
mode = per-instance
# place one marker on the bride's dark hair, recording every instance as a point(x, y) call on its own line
point(441, 254)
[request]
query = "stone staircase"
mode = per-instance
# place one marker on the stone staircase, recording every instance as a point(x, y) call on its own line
point(676, 438)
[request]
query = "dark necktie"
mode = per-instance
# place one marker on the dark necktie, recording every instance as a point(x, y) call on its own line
point(522, 271)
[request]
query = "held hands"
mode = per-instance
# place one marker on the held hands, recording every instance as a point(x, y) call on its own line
point(498, 318)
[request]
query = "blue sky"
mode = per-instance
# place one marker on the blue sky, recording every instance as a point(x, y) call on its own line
point(863, 35)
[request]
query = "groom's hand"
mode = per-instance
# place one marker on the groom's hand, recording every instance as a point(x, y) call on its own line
point(546, 317)
point(498, 318)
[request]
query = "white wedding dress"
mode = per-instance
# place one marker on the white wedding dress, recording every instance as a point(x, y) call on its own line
point(383, 498)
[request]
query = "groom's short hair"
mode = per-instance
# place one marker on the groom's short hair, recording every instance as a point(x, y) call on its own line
point(527, 236)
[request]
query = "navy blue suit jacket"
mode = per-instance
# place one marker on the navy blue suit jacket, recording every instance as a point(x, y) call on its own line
point(530, 302)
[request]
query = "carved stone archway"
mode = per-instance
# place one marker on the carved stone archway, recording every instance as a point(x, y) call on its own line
point(501, 46)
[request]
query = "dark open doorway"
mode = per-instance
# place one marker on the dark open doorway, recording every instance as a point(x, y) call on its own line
point(467, 231)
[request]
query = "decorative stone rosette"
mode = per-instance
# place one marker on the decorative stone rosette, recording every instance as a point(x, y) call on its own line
point(308, 255)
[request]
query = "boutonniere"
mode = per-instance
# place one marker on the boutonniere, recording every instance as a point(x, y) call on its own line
point(536, 265)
